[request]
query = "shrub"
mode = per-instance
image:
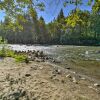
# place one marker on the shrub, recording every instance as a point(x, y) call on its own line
point(6, 53)
point(10, 53)
point(20, 58)
point(3, 52)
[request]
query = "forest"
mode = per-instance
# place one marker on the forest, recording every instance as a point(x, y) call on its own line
point(49, 49)
point(80, 27)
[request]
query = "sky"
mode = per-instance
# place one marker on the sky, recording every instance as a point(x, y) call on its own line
point(52, 9)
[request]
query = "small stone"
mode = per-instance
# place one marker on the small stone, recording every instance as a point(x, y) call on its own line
point(23, 93)
point(57, 71)
point(33, 68)
point(53, 61)
point(68, 68)
point(41, 67)
point(27, 75)
point(68, 76)
point(46, 58)
point(74, 80)
point(82, 78)
point(62, 81)
point(19, 73)
point(34, 98)
point(90, 87)
point(97, 85)
point(74, 72)
point(38, 60)
point(26, 60)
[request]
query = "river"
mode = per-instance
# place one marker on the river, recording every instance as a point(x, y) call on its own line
point(81, 59)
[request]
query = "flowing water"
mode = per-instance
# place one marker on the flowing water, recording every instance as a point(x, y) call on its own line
point(63, 52)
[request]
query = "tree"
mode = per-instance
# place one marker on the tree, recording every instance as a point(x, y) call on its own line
point(78, 21)
point(22, 24)
point(16, 8)
point(95, 19)
point(43, 31)
point(60, 16)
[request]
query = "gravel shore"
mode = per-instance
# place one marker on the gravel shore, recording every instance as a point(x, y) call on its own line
point(43, 81)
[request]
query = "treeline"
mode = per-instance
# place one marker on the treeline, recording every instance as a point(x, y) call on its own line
point(78, 28)
point(29, 30)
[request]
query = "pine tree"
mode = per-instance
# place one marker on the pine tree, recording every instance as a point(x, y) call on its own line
point(60, 15)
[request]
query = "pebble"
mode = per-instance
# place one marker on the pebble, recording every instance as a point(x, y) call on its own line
point(68, 76)
point(68, 68)
point(74, 80)
point(74, 72)
point(27, 75)
point(82, 78)
point(90, 87)
point(57, 71)
point(94, 89)
point(97, 85)
point(41, 67)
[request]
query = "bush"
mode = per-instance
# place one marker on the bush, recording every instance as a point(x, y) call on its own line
point(20, 58)
point(10, 53)
point(3, 52)
point(6, 53)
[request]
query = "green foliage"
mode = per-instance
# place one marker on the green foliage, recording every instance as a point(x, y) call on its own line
point(96, 7)
point(2, 40)
point(20, 58)
point(3, 47)
point(3, 52)
point(6, 52)
point(41, 6)
point(14, 10)
point(10, 53)
point(79, 27)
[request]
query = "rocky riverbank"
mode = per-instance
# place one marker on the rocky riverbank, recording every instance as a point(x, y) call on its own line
point(33, 55)
point(43, 81)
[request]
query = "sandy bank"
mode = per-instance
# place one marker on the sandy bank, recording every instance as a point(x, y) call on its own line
point(43, 81)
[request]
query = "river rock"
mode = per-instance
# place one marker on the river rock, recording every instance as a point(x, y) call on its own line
point(74, 80)
point(26, 60)
point(39, 60)
point(74, 72)
point(41, 54)
point(27, 75)
point(68, 76)
point(68, 68)
point(97, 85)
point(41, 68)
point(90, 87)
point(57, 71)
point(82, 78)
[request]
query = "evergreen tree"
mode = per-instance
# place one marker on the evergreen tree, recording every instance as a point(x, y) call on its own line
point(60, 16)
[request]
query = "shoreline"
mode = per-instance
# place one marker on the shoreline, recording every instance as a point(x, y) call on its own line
point(45, 80)
point(56, 45)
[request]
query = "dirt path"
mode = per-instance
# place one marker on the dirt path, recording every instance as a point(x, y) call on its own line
point(43, 81)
